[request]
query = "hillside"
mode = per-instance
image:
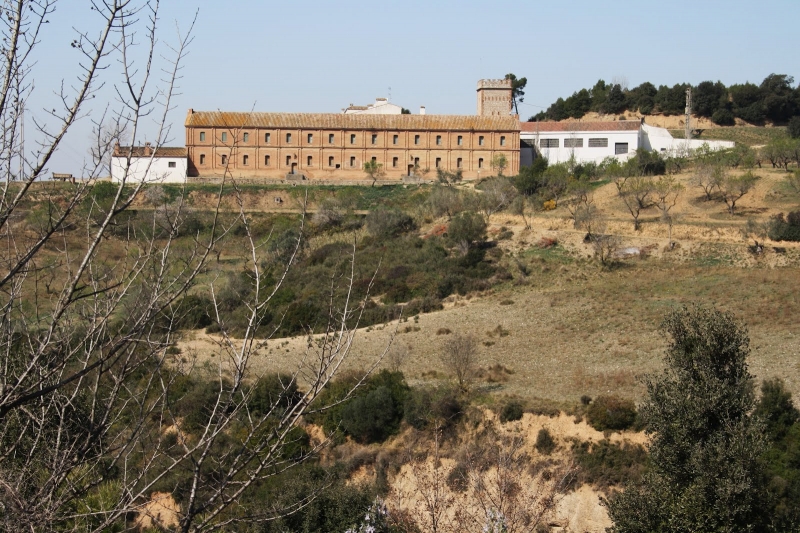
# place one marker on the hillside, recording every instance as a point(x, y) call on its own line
point(570, 328)
point(776, 101)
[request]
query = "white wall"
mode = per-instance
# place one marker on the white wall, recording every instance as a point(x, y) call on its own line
point(380, 107)
point(585, 154)
point(661, 140)
point(151, 170)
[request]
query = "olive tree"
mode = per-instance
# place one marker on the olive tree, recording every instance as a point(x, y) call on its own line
point(705, 469)
point(733, 188)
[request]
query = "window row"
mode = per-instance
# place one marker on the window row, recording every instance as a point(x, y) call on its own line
point(353, 138)
point(332, 163)
point(594, 142)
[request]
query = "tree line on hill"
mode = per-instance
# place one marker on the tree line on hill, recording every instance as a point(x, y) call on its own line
point(775, 100)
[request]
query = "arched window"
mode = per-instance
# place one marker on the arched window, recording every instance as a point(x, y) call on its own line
point(245, 159)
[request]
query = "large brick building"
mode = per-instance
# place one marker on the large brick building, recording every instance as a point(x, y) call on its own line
point(334, 146)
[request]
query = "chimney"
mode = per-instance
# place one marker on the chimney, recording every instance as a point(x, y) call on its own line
point(147, 150)
point(116, 148)
point(422, 110)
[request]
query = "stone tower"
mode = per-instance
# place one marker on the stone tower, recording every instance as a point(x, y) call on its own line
point(494, 97)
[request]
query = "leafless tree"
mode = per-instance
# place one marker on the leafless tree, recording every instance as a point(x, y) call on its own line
point(432, 502)
point(92, 298)
point(733, 188)
point(498, 194)
point(522, 206)
point(460, 356)
point(445, 201)
point(579, 199)
point(635, 195)
point(666, 191)
point(497, 473)
point(709, 176)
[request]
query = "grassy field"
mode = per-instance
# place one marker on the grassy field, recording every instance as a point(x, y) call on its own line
point(747, 135)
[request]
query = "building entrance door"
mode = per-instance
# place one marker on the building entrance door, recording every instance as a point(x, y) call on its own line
point(410, 170)
point(294, 168)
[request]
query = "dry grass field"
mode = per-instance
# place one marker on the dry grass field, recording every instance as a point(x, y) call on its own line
point(570, 327)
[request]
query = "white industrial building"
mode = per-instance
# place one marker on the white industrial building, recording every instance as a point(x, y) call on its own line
point(163, 164)
point(594, 141)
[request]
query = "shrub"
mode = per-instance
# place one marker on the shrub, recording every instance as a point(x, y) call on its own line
point(370, 418)
point(373, 413)
point(458, 478)
point(785, 229)
point(546, 242)
point(278, 390)
point(467, 228)
point(611, 412)
point(438, 406)
point(387, 223)
point(723, 117)
point(605, 464)
point(545, 444)
point(511, 411)
point(191, 312)
point(793, 128)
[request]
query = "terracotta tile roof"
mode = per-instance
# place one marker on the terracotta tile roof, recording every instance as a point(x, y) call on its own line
point(352, 122)
point(611, 125)
point(161, 151)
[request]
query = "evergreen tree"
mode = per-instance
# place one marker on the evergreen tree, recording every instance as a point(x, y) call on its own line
point(708, 97)
point(705, 472)
point(616, 102)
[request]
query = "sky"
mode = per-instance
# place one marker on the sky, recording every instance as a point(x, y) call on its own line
point(321, 56)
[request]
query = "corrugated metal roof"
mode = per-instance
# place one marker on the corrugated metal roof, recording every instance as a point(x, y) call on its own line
point(610, 125)
point(161, 151)
point(226, 119)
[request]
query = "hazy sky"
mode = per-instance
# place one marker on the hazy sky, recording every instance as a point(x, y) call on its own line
point(320, 56)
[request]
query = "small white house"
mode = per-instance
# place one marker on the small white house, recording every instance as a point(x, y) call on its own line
point(163, 164)
point(380, 107)
point(584, 141)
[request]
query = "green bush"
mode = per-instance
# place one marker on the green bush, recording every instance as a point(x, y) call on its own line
point(387, 223)
point(191, 312)
point(467, 228)
point(277, 391)
point(374, 411)
point(370, 418)
point(511, 411)
point(432, 406)
point(545, 443)
point(723, 117)
point(785, 229)
point(605, 464)
point(793, 128)
point(611, 412)
point(336, 505)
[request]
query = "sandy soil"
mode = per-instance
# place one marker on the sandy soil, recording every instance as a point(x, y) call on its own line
point(161, 512)
point(574, 511)
point(673, 122)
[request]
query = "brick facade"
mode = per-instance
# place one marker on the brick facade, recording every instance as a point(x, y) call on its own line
point(335, 146)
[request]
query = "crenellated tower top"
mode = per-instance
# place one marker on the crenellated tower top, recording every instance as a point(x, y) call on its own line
point(494, 97)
